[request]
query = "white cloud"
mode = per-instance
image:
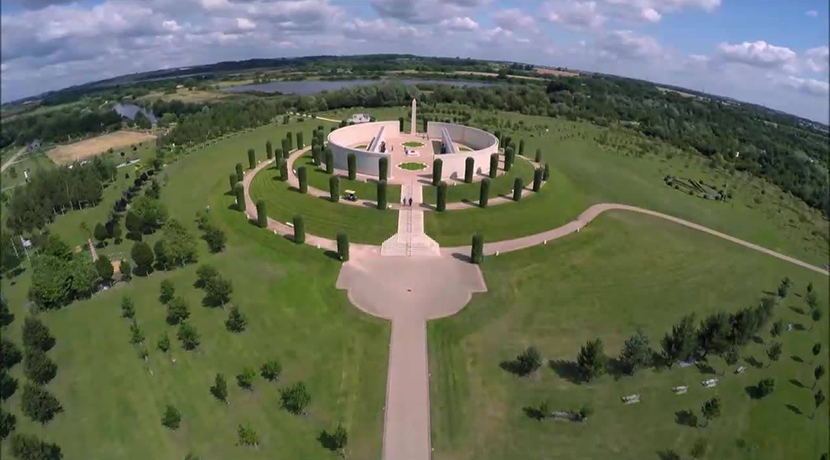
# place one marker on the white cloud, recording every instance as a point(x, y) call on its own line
point(817, 58)
point(464, 23)
point(371, 29)
point(576, 14)
point(811, 13)
point(245, 24)
point(514, 19)
point(171, 26)
point(650, 15)
point(627, 44)
point(424, 11)
point(758, 54)
point(805, 85)
point(668, 5)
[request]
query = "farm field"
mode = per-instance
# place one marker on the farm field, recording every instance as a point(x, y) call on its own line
point(113, 403)
point(623, 272)
point(88, 148)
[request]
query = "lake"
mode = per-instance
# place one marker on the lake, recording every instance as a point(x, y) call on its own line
point(131, 110)
point(303, 87)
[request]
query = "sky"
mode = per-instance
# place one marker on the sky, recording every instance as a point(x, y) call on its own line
point(773, 53)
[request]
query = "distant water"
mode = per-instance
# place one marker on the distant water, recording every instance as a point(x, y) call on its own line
point(131, 110)
point(303, 87)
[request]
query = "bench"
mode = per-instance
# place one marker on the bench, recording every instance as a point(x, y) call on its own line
point(290, 224)
point(711, 383)
point(680, 390)
point(740, 370)
point(631, 399)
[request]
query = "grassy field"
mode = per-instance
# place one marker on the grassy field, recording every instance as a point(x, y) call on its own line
point(322, 217)
point(318, 179)
point(502, 185)
point(623, 272)
point(113, 404)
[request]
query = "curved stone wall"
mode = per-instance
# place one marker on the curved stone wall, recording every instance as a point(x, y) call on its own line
point(483, 144)
point(340, 140)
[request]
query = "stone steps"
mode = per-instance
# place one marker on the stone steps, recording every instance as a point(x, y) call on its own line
point(410, 239)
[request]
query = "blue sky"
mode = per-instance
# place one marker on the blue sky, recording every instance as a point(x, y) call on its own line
point(773, 53)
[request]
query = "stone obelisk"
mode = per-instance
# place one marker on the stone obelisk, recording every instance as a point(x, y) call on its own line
point(412, 125)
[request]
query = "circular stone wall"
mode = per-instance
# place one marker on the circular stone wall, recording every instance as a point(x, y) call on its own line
point(341, 140)
point(482, 143)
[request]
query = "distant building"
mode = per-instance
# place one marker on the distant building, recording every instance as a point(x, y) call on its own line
point(361, 118)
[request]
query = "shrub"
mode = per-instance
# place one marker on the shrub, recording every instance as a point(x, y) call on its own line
point(283, 170)
point(352, 164)
point(171, 418)
point(261, 214)
point(271, 370)
point(166, 291)
point(177, 311)
point(477, 252)
point(334, 189)
point(251, 158)
point(383, 169)
point(188, 335)
point(246, 378)
point(546, 175)
point(537, 179)
point(528, 361)
point(8, 385)
point(518, 187)
point(437, 170)
point(29, 447)
point(538, 158)
point(494, 165)
point(37, 335)
point(343, 246)
point(299, 229)
point(381, 193)
point(7, 423)
point(239, 172)
point(38, 367)
point(442, 196)
point(240, 197)
point(236, 321)
point(269, 152)
point(295, 398)
point(127, 307)
point(9, 353)
point(469, 167)
point(38, 404)
point(220, 388)
point(303, 178)
point(329, 162)
point(591, 360)
point(484, 193)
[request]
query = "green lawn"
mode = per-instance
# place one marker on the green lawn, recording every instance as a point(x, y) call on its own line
point(413, 166)
point(500, 186)
point(318, 179)
point(113, 404)
point(556, 204)
point(623, 272)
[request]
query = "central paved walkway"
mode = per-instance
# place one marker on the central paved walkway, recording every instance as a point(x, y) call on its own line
point(410, 240)
point(409, 291)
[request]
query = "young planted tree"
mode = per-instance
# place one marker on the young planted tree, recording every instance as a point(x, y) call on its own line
point(246, 378)
point(329, 162)
point(591, 360)
point(521, 147)
point(164, 343)
point(9, 353)
point(136, 334)
point(289, 141)
point(343, 246)
point(469, 166)
point(818, 373)
point(484, 193)
point(681, 342)
point(36, 334)
point(494, 165)
point(286, 149)
point(299, 229)
point(546, 175)
point(529, 361)
point(29, 447)
point(518, 187)
point(236, 321)
point(171, 418)
point(127, 307)
point(280, 154)
point(261, 214)
point(38, 404)
point(477, 251)
point(283, 165)
point(636, 352)
point(177, 311)
point(38, 367)
point(188, 336)
point(538, 157)
point(777, 328)
point(300, 143)
point(816, 350)
point(247, 436)
point(126, 270)
point(271, 370)
point(711, 410)
point(295, 398)
point(8, 385)
point(382, 196)
point(166, 291)
point(104, 268)
point(269, 150)
point(220, 388)
point(765, 387)
point(251, 159)
point(509, 157)
point(442, 196)
point(818, 398)
point(239, 172)
point(8, 422)
point(538, 173)
point(240, 197)
point(101, 234)
point(437, 171)
point(773, 353)
point(383, 169)
point(815, 315)
point(400, 124)
point(352, 164)
point(232, 180)
point(334, 189)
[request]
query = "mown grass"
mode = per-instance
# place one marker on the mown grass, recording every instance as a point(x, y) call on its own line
point(113, 403)
point(624, 272)
point(501, 186)
point(318, 179)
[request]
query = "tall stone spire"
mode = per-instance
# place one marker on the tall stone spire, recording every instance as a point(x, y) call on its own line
point(414, 123)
